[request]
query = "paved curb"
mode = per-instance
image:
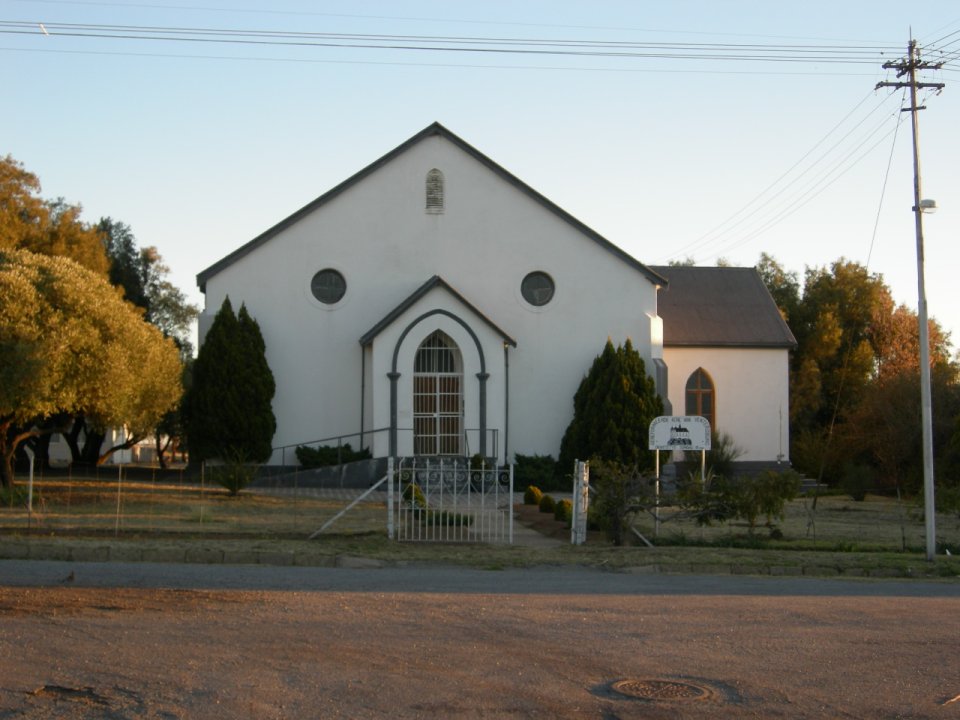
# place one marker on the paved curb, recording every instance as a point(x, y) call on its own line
point(211, 554)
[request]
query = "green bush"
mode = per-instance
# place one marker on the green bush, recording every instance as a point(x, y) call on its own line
point(617, 492)
point(547, 504)
point(764, 494)
point(563, 511)
point(857, 480)
point(413, 495)
point(327, 455)
point(539, 470)
point(234, 475)
point(721, 456)
point(414, 498)
point(17, 495)
point(532, 495)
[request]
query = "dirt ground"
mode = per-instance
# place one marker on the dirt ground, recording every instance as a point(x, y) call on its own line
point(85, 652)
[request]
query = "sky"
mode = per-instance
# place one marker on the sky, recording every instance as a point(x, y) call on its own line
point(632, 115)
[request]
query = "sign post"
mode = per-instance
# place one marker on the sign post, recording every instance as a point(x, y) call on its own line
point(581, 502)
point(678, 432)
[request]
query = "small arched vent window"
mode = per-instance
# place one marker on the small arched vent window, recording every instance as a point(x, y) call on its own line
point(434, 191)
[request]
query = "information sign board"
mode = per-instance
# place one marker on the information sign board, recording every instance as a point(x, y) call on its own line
point(680, 432)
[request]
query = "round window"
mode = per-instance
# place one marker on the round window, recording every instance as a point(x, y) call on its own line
point(328, 286)
point(537, 288)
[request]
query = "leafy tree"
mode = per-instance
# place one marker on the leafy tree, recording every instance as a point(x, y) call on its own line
point(612, 411)
point(854, 387)
point(27, 222)
point(125, 265)
point(884, 429)
point(71, 346)
point(143, 276)
point(784, 286)
point(228, 409)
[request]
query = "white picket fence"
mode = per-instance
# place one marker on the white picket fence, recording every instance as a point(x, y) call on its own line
point(438, 500)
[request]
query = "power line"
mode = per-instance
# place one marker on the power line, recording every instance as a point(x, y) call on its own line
point(762, 212)
point(738, 52)
point(451, 65)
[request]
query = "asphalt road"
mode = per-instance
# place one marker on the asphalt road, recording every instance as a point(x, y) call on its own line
point(190, 641)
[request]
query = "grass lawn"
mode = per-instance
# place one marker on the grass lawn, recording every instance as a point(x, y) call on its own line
point(877, 524)
point(175, 505)
point(157, 510)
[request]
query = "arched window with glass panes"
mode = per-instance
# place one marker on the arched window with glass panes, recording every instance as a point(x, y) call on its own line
point(437, 396)
point(702, 396)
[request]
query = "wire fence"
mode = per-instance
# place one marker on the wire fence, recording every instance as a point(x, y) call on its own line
point(140, 500)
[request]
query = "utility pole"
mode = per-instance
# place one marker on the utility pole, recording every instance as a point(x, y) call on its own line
point(909, 67)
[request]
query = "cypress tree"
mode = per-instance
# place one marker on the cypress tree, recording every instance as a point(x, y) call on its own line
point(612, 411)
point(228, 408)
point(259, 387)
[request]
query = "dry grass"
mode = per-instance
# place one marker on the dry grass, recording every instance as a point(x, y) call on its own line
point(97, 506)
point(839, 535)
point(878, 524)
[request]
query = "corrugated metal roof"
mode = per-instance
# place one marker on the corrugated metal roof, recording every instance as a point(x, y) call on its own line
point(719, 307)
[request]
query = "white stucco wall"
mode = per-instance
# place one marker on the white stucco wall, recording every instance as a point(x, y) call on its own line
point(752, 395)
point(489, 237)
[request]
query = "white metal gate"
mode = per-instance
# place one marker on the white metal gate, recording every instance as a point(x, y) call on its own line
point(443, 500)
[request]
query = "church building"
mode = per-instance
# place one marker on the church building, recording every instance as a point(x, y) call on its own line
point(435, 304)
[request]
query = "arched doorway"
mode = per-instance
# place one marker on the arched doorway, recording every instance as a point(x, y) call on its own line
point(438, 397)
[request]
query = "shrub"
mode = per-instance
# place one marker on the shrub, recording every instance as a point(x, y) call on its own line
point(413, 495)
point(612, 410)
point(563, 511)
point(617, 492)
point(857, 480)
point(764, 494)
point(547, 504)
point(17, 495)
point(532, 495)
point(539, 470)
point(327, 455)
point(721, 456)
point(233, 475)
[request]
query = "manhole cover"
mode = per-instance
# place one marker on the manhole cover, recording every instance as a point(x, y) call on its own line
point(661, 690)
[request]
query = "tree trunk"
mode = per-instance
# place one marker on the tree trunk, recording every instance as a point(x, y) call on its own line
point(162, 448)
point(73, 438)
point(10, 440)
point(6, 463)
point(103, 457)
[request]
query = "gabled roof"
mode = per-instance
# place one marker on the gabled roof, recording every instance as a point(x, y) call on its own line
point(435, 281)
point(719, 307)
point(436, 129)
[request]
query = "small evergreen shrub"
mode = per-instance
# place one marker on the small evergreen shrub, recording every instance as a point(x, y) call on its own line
point(413, 495)
point(547, 504)
point(563, 511)
point(857, 480)
point(17, 495)
point(532, 495)
point(327, 455)
point(233, 476)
